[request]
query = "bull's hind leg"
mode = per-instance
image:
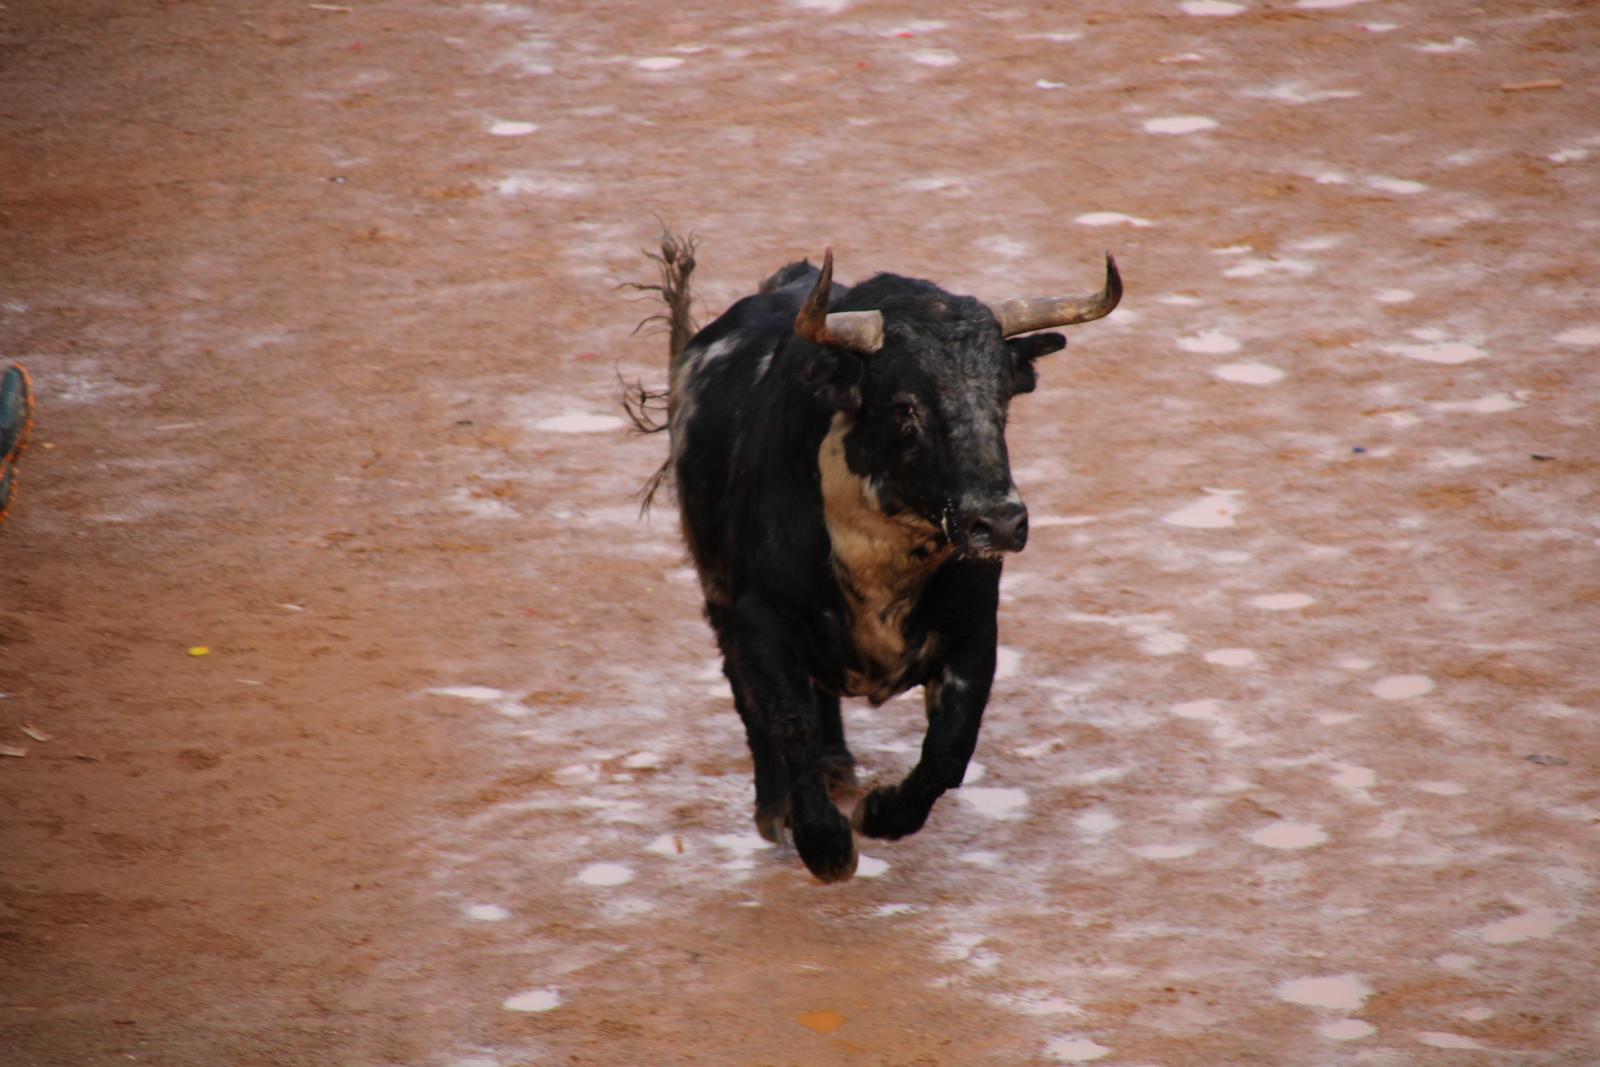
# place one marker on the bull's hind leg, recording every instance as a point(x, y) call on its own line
point(838, 765)
point(772, 773)
point(773, 677)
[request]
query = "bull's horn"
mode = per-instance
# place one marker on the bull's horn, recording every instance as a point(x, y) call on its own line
point(1042, 312)
point(859, 331)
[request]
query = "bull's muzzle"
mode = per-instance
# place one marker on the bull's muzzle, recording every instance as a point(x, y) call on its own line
point(1002, 528)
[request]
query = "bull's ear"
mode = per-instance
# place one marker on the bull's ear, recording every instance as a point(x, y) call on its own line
point(1024, 350)
point(834, 375)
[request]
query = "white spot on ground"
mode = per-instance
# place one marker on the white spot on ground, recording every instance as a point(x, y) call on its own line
point(885, 910)
point(480, 693)
point(482, 508)
point(1441, 789)
point(742, 845)
point(1212, 512)
point(1165, 852)
point(1394, 296)
point(1209, 342)
point(1486, 405)
point(486, 913)
point(1456, 962)
point(1441, 1039)
point(980, 858)
point(658, 63)
point(1096, 823)
point(1249, 373)
point(1076, 1049)
point(1255, 268)
point(1441, 48)
point(935, 57)
point(533, 1000)
point(1579, 335)
point(1317, 5)
point(975, 773)
point(1007, 662)
point(1356, 663)
point(1282, 601)
point(1046, 83)
point(1342, 992)
point(1398, 186)
point(1450, 352)
point(1380, 27)
point(995, 803)
point(536, 185)
point(1290, 835)
point(642, 761)
point(1231, 657)
point(1349, 776)
point(1297, 93)
point(605, 874)
point(1456, 459)
point(1402, 686)
point(1211, 8)
point(1346, 1030)
point(1180, 124)
point(1537, 923)
point(579, 422)
point(665, 845)
point(1111, 218)
point(508, 128)
point(870, 867)
point(1199, 710)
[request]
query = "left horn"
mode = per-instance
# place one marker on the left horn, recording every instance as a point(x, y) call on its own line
point(1043, 312)
point(859, 331)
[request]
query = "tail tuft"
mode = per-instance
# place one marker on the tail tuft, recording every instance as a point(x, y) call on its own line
point(648, 409)
point(676, 263)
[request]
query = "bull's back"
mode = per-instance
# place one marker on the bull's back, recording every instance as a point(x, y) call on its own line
point(744, 429)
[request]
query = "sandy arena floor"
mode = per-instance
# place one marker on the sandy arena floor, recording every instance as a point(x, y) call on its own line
point(1292, 760)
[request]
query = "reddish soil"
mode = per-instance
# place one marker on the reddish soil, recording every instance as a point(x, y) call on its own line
point(326, 362)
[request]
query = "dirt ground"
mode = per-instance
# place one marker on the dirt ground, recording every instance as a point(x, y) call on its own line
point(1292, 758)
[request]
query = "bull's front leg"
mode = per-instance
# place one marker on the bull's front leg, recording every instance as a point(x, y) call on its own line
point(778, 691)
point(955, 700)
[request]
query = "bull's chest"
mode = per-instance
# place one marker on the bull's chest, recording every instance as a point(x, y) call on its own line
point(882, 564)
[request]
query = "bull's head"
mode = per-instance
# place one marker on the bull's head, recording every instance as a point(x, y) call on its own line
point(927, 430)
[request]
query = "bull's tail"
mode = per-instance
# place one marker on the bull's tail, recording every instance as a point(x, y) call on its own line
point(648, 409)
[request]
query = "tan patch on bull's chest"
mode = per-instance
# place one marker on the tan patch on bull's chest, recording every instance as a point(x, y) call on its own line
point(882, 563)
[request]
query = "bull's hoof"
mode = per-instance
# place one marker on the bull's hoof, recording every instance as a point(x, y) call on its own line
point(883, 813)
point(828, 848)
point(772, 819)
point(839, 770)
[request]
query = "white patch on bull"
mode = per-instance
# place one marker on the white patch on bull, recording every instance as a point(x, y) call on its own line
point(688, 365)
point(765, 363)
point(881, 563)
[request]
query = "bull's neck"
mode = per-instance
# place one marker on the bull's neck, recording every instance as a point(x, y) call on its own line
point(880, 559)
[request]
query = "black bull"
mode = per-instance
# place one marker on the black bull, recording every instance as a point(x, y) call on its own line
point(841, 470)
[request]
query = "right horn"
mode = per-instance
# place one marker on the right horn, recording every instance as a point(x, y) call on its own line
point(859, 331)
point(1042, 312)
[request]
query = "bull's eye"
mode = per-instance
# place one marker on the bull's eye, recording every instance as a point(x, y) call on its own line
point(907, 416)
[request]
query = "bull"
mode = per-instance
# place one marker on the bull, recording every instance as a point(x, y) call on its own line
point(844, 489)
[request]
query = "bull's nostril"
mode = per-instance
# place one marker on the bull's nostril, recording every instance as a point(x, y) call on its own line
point(1005, 529)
